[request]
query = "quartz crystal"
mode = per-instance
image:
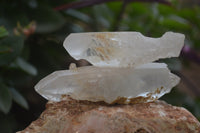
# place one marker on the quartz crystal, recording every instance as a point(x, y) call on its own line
point(122, 70)
point(122, 49)
point(109, 84)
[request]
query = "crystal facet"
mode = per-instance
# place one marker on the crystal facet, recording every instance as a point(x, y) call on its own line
point(123, 71)
point(122, 49)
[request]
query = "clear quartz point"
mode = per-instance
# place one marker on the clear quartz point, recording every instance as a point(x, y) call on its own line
point(123, 71)
point(111, 85)
point(122, 49)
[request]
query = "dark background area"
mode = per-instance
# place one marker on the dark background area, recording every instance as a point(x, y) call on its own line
point(32, 33)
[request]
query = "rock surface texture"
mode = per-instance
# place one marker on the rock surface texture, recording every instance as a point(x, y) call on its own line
point(72, 116)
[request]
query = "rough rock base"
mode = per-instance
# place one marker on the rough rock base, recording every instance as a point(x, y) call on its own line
point(72, 116)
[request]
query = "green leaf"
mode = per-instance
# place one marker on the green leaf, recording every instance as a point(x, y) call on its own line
point(79, 15)
point(3, 32)
point(47, 19)
point(188, 13)
point(10, 48)
point(166, 10)
point(18, 98)
point(115, 6)
point(25, 66)
point(5, 98)
point(138, 8)
point(175, 22)
point(103, 16)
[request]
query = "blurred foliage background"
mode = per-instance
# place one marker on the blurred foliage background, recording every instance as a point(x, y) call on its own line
point(32, 32)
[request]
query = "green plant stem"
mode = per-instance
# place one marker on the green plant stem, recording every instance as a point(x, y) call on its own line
point(119, 17)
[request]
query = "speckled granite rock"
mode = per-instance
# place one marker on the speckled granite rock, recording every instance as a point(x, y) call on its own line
point(72, 116)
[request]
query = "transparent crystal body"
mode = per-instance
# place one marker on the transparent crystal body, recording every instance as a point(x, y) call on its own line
point(109, 84)
point(122, 49)
point(123, 71)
